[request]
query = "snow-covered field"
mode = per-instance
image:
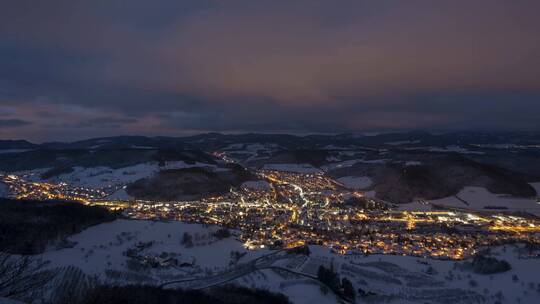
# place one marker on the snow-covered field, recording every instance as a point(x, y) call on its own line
point(99, 177)
point(352, 162)
point(478, 198)
point(536, 187)
point(102, 247)
point(297, 168)
point(452, 148)
point(101, 250)
point(254, 147)
point(341, 164)
point(248, 152)
point(448, 276)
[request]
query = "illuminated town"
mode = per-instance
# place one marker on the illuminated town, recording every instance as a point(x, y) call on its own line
point(286, 209)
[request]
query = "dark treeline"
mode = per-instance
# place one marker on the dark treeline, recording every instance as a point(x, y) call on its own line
point(343, 288)
point(488, 265)
point(27, 227)
point(154, 295)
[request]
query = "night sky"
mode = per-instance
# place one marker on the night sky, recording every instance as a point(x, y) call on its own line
point(77, 69)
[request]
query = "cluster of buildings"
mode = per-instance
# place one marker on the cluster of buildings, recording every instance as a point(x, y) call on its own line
point(20, 188)
point(299, 209)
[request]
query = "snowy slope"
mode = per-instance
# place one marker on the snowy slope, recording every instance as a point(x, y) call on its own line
point(99, 177)
point(398, 279)
point(296, 168)
point(478, 198)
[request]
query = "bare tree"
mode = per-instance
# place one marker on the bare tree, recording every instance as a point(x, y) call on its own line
point(72, 285)
point(22, 275)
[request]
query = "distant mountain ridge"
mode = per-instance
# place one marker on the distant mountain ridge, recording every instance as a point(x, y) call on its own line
point(210, 141)
point(17, 144)
point(402, 166)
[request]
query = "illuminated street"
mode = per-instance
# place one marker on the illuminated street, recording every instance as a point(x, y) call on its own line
point(302, 209)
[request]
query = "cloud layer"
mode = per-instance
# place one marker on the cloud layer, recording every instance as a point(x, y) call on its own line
point(73, 69)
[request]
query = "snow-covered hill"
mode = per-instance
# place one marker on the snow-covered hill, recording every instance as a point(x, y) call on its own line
point(114, 251)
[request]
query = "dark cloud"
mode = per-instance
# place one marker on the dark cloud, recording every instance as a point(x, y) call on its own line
point(101, 122)
point(171, 67)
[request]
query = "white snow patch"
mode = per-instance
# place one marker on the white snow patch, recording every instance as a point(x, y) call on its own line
point(102, 247)
point(332, 159)
point(334, 147)
point(478, 198)
point(452, 148)
point(120, 195)
point(536, 187)
point(343, 164)
point(297, 168)
point(352, 162)
point(98, 177)
point(253, 147)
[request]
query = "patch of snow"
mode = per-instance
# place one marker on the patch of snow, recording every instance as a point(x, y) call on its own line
point(299, 290)
point(452, 148)
point(297, 168)
point(32, 175)
point(507, 146)
point(536, 187)
point(99, 177)
point(487, 285)
point(343, 164)
point(478, 198)
point(332, 159)
point(375, 161)
point(102, 247)
point(334, 147)
point(496, 146)
point(253, 147)
point(398, 278)
point(352, 162)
